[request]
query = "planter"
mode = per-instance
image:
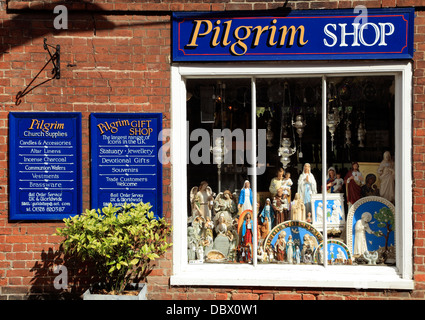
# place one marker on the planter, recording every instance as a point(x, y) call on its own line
point(141, 287)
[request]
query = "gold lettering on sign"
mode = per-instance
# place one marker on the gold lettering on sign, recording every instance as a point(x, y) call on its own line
point(246, 36)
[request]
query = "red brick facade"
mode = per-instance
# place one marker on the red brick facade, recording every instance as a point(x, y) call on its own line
point(115, 57)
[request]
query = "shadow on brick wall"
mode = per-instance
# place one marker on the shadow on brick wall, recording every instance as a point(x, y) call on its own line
point(58, 277)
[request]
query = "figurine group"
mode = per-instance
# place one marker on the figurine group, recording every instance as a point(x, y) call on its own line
point(214, 224)
point(289, 251)
point(223, 223)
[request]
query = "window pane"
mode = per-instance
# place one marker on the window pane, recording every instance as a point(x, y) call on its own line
point(220, 226)
point(290, 112)
point(361, 135)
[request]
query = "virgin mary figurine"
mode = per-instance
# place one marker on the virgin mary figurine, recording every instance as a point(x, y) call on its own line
point(245, 198)
point(307, 186)
point(267, 213)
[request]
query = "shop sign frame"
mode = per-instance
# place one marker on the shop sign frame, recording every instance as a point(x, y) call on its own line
point(293, 35)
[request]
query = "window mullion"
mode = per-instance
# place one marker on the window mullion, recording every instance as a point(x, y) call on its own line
point(324, 169)
point(254, 168)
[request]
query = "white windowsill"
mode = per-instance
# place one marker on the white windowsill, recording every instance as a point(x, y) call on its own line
point(273, 275)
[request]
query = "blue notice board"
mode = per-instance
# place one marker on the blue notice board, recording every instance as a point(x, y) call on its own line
point(45, 165)
point(126, 165)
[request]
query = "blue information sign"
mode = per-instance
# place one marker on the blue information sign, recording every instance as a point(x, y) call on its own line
point(297, 35)
point(45, 165)
point(126, 165)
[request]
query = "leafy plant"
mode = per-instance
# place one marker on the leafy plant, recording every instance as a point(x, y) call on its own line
point(385, 218)
point(122, 242)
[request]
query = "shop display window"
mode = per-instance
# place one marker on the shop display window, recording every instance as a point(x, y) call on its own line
point(301, 170)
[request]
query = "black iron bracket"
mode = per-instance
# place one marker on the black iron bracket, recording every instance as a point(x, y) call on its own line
point(55, 59)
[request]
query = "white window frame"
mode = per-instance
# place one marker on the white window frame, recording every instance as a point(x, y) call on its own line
point(282, 275)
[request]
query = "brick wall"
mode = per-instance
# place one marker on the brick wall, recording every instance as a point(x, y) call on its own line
point(121, 63)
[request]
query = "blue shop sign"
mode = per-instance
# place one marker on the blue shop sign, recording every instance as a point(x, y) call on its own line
point(126, 165)
point(45, 165)
point(297, 35)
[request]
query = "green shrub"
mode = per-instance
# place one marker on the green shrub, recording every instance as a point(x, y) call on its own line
point(122, 242)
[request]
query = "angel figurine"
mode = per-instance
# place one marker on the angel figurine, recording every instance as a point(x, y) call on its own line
point(224, 204)
point(200, 199)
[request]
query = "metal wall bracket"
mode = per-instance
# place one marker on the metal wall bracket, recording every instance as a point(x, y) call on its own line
point(55, 59)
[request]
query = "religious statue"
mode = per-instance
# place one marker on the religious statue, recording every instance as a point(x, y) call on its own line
point(225, 206)
point(245, 197)
point(386, 174)
point(192, 243)
point(338, 183)
point(334, 181)
point(286, 185)
point(200, 199)
point(267, 214)
point(330, 178)
point(277, 182)
point(307, 186)
point(280, 207)
point(297, 254)
point(360, 229)
point(280, 246)
point(353, 182)
point(370, 189)
point(298, 209)
point(247, 230)
point(309, 243)
point(290, 250)
point(371, 258)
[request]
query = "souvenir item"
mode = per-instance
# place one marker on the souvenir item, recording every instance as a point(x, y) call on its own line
point(298, 209)
point(215, 256)
point(307, 186)
point(245, 234)
point(245, 197)
point(386, 174)
point(285, 151)
point(370, 188)
point(284, 239)
point(333, 119)
point(299, 125)
point(337, 252)
point(334, 182)
point(280, 206)
point(219, 151)
point(334, 212)
point(370, 227)
point(193, 241)
point(353, 181)
point(200, 199)
point(361, 134)
point(267, 214)
point(225, 205)
point(286, 185)
point(277, 182)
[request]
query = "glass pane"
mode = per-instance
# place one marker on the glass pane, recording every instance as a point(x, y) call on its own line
point(220, 224)
point(360, 123)
point(289, 110)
